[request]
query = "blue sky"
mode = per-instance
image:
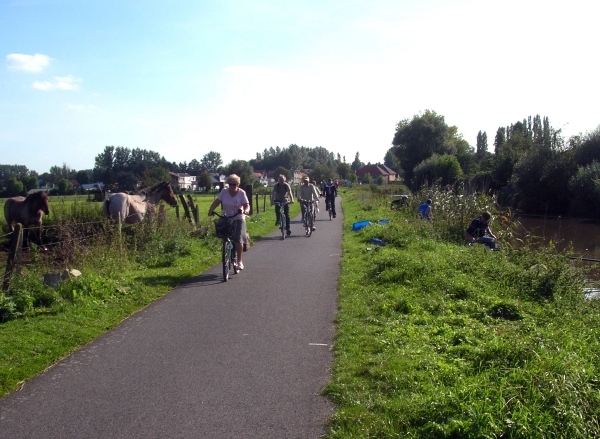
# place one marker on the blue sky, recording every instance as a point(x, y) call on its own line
point(183, 78)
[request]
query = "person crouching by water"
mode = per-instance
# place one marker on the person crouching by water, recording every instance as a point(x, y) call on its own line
point(232, 199)
point(479, 231)
point(425, 210)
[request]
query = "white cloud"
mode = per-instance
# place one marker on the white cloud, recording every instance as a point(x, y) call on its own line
point(68, 82)
point(28, 63)
point(143, 122)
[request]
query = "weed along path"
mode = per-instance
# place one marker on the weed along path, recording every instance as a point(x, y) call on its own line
point(243, 359)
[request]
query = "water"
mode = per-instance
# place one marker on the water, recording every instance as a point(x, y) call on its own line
point(581, 236)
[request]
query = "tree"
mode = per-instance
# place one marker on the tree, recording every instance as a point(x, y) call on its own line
point(30, 182)
point(211, 161)
point(352, 178)
point(585, 189)
point(586, 149)
point(243, 169)
point(14, 187)
point(321, 173)
point(65, 187)
point(282, 171)
point(482, 145)
point(367, 179)
point(83, 177)
point(344, 170)
point(205, 181)
point(418, 139)
point(356, 164)
point(390, 159)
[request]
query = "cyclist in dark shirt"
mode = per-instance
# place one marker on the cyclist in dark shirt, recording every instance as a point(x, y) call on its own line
point(330, 192)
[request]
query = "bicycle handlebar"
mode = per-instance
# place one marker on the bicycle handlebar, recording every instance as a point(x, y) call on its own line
point(239, 212)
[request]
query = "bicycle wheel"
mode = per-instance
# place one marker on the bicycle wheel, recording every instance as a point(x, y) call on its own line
point(225, 259)
point(282, 224)
point(330, 209)
point(309, 222)
point(233, 258)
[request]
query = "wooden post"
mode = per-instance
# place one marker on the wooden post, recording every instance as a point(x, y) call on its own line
point(264, 202)
point(248, 190)
point(186, 209)
point(195, 216)
point(257, 208)
point(13, 262)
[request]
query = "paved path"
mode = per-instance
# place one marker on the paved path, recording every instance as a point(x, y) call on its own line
point(242, 359)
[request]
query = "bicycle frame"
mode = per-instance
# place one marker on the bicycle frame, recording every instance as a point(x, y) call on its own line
point(309, 216)
point(282, 218)
point(228, 253)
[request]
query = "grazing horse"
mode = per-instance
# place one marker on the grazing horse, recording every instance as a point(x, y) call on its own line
point(131, 209)
point(27, 211)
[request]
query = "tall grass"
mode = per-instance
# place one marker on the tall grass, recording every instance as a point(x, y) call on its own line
point(439, 340)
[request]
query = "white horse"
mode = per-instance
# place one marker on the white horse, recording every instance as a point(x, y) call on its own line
point(132, 209)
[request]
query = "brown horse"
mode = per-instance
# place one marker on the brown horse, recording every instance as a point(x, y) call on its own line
point(131, 209)
point(27, 211)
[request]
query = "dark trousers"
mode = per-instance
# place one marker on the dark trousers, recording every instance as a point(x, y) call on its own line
point(286, 212)
point(330, 201)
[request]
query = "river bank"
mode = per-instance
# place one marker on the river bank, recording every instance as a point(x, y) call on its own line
point(436, 339)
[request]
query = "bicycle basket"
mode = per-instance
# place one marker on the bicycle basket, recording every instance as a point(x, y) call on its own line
point(222, 228)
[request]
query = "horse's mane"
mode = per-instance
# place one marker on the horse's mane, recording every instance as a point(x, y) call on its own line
point(152, 189)
point(40, 194)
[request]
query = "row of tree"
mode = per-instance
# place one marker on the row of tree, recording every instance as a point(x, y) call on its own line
point(532, 168)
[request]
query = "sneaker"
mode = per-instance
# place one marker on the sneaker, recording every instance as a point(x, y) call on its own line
point(334, 215)
point(313, 229)
point(240, 266)
point(317, 210)
point(277, 222)
point(288, 232)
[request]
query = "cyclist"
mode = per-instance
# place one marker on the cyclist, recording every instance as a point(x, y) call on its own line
point(282, 192)
point(232, 199)
point(307, 191)
point(330, 192)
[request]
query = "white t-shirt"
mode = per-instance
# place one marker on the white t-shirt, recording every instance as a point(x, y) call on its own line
point(230, 204)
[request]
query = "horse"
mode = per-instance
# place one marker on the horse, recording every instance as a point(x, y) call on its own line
point(132, 209)
point(29, 212)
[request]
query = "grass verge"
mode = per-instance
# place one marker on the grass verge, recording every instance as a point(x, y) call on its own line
point(438, 340)
point(120, 275)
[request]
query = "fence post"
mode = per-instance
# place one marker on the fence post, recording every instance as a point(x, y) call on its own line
point(13, 262)
point(248, 190)
point(186, 209)
point(194, 208)
point(257, 208)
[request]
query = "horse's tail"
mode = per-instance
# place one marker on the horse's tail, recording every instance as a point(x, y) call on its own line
point(105, 208)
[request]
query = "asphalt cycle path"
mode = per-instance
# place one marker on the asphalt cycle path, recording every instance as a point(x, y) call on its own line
point(247, 358)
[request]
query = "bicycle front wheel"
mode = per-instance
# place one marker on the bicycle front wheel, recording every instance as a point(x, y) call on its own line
point(225, 259)
point(282, 222)
point(309, 223)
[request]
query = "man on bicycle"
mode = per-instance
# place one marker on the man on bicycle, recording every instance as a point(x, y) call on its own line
point(282, 192)
point(307, 191)
point(330, 192)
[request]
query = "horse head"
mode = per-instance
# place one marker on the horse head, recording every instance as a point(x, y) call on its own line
point(162, 191)
point(171, 198)
point(39, 201)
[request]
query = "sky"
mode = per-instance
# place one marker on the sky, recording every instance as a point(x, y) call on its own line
point(186, 77)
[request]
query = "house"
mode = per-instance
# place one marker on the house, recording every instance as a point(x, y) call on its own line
point(375, 171)
point(299, 174)
point(262, 176)
point(183, 181)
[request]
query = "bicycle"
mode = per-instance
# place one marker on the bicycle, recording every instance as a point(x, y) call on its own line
point(228, 253)
point(282, 218)
point(329, 206)
point(308, 219)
